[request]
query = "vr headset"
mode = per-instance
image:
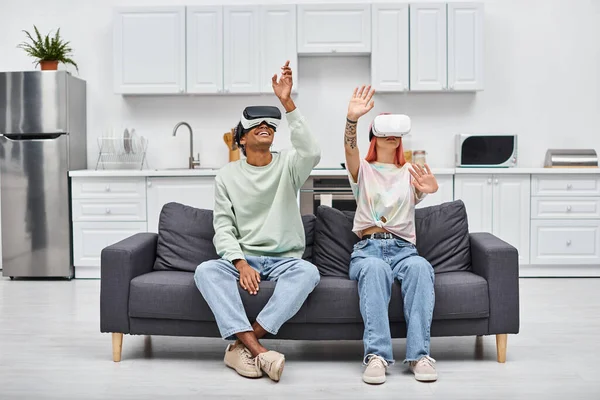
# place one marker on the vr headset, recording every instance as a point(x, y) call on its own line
point(385, 125)
point(254, 116)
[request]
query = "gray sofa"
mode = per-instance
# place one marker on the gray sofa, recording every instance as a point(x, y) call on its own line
point(147, 285)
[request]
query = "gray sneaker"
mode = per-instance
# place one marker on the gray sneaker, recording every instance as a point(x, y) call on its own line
point(238, 357)
point(272, 363)
point(375, 372)
point(424, 369)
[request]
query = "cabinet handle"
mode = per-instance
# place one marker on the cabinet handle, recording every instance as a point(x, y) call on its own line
point(226, 90)
point(107, 188)
point(569, 208)
point(496, 181)
point(568, 242)
point(333, 50)
point(569, 186)
point(180, 90)
point(489, 181)
point(108, 210)
point(149, 184)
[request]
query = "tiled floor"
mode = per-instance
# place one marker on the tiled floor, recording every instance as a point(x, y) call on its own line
point(51, 348)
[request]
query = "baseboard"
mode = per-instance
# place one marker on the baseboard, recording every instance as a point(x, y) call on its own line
point(559, 271)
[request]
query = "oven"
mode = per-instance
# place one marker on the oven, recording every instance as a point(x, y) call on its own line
point(330, 191)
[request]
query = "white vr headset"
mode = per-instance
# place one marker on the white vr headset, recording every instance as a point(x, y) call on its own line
point(385, 125)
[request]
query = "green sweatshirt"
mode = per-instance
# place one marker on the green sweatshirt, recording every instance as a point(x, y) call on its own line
point(256, 210)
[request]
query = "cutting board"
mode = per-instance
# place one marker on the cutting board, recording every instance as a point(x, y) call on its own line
point(234, 151)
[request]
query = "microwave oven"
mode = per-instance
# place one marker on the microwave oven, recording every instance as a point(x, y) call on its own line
point(489, 151)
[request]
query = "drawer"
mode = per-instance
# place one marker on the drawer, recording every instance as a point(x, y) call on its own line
point(89, 238)
point(565, 185)
point(109, 209)
point(565, 242)
point(108, 187)
point(565, 207)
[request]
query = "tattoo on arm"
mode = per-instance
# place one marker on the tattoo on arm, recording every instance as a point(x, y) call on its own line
point(350, 134)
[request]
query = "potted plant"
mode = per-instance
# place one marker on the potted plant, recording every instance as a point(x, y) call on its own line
point(48, 51)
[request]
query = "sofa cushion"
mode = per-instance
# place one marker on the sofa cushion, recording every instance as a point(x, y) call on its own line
point(443, 236)
point(458, 295)
point(309, 222)
point(173, 295)
point(334, 240)
point(185, 237)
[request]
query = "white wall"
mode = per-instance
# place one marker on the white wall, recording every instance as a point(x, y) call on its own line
point(542, 82)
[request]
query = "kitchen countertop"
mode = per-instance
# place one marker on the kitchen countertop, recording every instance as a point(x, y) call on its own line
point(326, 172)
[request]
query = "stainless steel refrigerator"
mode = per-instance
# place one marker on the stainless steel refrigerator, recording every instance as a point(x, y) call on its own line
point(42, 137)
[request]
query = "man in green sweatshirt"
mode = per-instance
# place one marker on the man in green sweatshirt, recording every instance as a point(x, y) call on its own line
point(259, 233)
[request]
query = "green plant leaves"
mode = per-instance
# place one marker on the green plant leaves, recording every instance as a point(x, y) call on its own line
point(48, 48)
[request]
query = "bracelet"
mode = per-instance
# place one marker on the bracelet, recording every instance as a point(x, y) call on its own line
point(350, 121)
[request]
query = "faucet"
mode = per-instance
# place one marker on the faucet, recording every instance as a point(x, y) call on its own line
point(191, 162)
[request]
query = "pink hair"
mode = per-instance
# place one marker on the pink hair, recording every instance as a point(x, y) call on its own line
point(399, 159)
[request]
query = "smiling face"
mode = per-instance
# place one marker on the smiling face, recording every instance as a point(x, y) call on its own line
point(258, 139)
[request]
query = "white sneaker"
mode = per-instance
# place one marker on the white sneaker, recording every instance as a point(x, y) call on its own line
point(375, 372)
point(238, 357)
point(424, 369)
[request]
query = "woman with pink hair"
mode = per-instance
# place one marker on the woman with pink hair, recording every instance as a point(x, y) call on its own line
point(386, 189)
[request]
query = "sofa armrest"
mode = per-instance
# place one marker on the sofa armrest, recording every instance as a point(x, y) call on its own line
point(119, 264)
point(498, 263)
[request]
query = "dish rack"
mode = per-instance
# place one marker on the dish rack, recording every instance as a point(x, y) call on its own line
point(122, 152)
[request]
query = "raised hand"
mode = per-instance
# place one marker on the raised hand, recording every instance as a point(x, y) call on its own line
point(283, 87)
point(361, 102)
point(423, 180)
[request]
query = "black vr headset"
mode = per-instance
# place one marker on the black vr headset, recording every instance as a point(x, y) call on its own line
point(253, 116)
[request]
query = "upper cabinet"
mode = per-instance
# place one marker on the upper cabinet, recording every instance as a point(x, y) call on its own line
point(390, 50)
point(334, 28)
point(277, 43)
point(229, 49)
point(205, 49)
point(428, 70)
point(465, 46)
point(140, 34)
point(241, 73)
point(446, 46)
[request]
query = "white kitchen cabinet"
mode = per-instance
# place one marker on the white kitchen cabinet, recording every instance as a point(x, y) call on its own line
point(511, 211)
point(444, 194)
point(205, 49)
point(241, 60)
point(498, 204)
point(197, 192)
point(565, 241)
point(278, 43)
point(465, 46)
point(334, 28)
point(90, 237)
point(428, 65)
point(476, 191)
point(390, 47)
point(149, 50)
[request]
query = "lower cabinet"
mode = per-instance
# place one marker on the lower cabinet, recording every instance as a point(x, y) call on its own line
point(498, 204)
point(444, 194)
point(565, 241)
point(90, 237)
point(196, 191)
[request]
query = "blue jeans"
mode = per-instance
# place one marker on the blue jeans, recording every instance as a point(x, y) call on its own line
point(217, 280)
point(374, 264)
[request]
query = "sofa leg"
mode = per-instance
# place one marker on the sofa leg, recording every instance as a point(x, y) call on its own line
point(117, 346)
point(501, 347)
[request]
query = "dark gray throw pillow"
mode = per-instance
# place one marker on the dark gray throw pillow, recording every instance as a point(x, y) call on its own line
point(443, 236)
point(309, 221)
point(185, 237)
point(334, 240)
